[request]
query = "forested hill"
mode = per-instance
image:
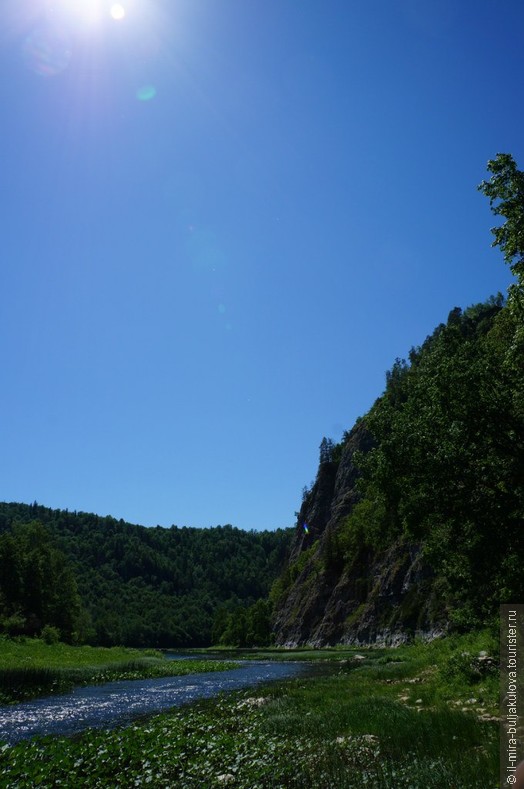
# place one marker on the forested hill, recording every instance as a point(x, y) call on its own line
point(136, 586)
point(415, 521)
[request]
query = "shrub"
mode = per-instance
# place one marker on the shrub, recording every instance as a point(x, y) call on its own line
point(50, 634)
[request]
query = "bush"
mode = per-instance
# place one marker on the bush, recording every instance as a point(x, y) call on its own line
point(50, 634)
point(12, 625)
point(461, 666)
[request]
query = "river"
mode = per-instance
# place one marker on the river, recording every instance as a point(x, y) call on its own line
point(113, 703)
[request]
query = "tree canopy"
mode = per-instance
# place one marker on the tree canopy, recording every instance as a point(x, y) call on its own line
point(37, 584)
point(505, 190)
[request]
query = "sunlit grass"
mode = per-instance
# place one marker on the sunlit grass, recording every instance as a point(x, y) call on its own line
point(35, 653)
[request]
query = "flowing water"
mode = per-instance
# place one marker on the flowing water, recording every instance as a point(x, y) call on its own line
point(107, 705)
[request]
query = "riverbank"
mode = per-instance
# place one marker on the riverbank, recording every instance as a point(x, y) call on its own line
point(421, 717)
point(30, 668)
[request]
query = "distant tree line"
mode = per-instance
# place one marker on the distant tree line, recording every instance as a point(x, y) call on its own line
point(243, 626)
point(125, 584)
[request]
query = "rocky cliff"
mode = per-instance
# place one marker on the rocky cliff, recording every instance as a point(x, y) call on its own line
point(382, 596)
point(430, 536)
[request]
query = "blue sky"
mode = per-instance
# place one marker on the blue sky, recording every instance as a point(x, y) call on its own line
point(221, 223)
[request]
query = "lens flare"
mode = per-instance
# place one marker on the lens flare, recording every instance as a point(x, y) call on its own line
point(47, 52)
point(146, 93)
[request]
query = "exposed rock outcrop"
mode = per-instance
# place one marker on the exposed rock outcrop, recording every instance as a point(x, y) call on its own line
point(383, 597)
point(333, 495)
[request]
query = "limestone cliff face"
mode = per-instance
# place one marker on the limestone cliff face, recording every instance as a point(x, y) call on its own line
point(383, 597)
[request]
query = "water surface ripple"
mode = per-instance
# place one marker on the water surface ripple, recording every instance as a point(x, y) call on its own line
point(117, 702)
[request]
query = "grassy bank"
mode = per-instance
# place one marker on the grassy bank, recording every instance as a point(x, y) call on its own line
point(419, 717)
point(30, 667)
point(275, 653)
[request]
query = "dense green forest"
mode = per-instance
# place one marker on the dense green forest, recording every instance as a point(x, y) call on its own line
point(103, 581)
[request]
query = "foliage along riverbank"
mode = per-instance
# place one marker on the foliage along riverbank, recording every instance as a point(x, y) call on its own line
point(31, 668)
point(422, 717)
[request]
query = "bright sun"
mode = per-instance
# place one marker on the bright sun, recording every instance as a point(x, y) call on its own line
point(118, 11)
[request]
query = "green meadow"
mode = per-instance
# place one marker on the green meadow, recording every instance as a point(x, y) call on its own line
point(417, 717)
point(30, 667)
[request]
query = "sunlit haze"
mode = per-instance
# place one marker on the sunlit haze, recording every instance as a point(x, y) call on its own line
point(222, 222)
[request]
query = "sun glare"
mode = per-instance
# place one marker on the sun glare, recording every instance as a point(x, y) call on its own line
point(118, 11)
point(77, 11)
point(88, 11)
